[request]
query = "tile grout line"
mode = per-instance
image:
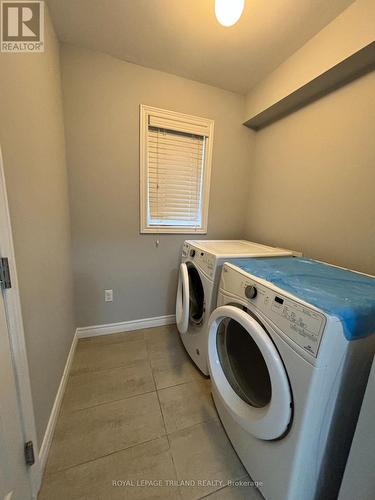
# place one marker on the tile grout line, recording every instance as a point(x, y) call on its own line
point(169, 445)
point(213, 492)
point(242, 478)
point(115, 367)
point(94, 342)
point(169, 433)
point(193, 380)
point(157, 394)
point(109, 402)
point(208, 421)
point(53, 473)
point(161, 410)
point(106, 403)
point(165, 427)
point(122, 449)
point(146, 360)
point(91, 340)
point(162, 416)
point(131, 364)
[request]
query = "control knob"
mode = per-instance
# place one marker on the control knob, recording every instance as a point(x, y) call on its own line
point(251, 292)
point(192, 253)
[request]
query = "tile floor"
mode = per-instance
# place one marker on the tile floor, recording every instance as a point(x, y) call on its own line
point(135, 411)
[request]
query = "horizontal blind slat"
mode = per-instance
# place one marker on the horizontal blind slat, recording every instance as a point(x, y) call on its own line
point(172, 167)
point(175, 167)
point(175, 157)
point(185, 141)
point(173, 180)
point(168, 207)
point(183, 146)
point(190, 127)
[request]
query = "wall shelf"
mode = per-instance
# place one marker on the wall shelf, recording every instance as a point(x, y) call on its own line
point(354, 66)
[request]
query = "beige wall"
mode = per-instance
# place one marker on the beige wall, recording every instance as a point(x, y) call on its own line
point(352, 30)
point(101, 102)
point(32, 140)
point(312, 179)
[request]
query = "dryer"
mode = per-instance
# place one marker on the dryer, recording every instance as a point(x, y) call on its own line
point(290, 348)
point(199, 273)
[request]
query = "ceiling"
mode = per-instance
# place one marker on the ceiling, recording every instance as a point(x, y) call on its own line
point(183, 37)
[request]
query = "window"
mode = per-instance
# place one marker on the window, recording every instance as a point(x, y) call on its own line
point(175, 165)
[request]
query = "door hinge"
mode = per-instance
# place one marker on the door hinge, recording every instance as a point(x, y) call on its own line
point(5, 280)
point(29, 453)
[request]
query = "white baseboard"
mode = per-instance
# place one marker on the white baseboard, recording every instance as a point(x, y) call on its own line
point(48, 435)
point(124, 326)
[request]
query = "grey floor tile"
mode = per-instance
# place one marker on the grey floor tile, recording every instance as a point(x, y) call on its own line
point(187, 404)
point(169, 371)
point(91, 356)
point(93, 481)
point(91, 388)
point(204, 453)
point(124, 438)
point(164, 342)
point(87, 434)
point(114, 338)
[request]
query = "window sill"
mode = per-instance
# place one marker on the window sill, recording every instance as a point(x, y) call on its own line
point(172, 230)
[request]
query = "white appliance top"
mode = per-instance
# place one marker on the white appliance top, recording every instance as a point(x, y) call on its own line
point(237, 248)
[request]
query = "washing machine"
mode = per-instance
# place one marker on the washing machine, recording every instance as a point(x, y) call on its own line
point(289, 350)
point(199, 273)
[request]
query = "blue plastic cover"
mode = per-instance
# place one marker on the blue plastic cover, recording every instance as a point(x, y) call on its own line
point(338, 292)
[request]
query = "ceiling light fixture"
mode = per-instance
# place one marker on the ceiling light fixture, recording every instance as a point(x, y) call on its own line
point(228, 12)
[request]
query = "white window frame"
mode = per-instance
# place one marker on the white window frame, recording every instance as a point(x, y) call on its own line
point(187, 122)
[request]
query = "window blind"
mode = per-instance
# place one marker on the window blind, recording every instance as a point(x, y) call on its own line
point(175, 161)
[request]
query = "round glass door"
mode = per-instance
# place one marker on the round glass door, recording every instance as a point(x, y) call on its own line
point(196, 295)
point(243, 364)
point(248, 374)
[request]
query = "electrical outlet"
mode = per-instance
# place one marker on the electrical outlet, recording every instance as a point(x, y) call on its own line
point(108, 295)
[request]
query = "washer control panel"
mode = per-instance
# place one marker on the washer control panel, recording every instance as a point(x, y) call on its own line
point(185, 250)
point(205, 261)
point(300, 323)
point(251, 291)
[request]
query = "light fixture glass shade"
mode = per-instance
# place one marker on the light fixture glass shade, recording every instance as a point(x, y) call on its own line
point(228, 12)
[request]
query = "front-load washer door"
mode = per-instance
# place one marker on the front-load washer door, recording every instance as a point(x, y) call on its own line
point(248, 373)
point(190, 301)
point(196, 296)
point(182, 300)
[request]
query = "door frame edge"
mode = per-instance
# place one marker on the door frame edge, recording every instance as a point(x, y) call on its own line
point(12, 302)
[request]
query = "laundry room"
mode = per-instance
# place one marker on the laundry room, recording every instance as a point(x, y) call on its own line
point(187, 250)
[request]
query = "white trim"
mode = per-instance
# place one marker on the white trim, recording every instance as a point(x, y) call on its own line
point(124, 326)
point(204, 123)
point(13, 310)
point(48, 435)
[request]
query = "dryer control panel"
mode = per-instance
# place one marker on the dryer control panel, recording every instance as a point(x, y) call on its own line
point(204, 260)
point(301, 324)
